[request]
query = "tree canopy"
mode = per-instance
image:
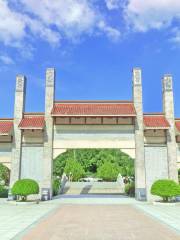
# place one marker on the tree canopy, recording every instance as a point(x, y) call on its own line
point(92, 159)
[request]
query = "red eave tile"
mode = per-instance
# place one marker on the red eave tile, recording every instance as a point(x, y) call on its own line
point(32, 122)
point(157, 122)
point(94, 109)
point(178, 125)
point(5, 127)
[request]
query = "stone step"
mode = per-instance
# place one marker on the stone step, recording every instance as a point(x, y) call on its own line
point(75, 188)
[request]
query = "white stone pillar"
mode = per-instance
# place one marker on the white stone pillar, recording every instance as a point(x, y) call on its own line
point(140, 177)
point(17, 136)
point(168, 108)
point(48, 136)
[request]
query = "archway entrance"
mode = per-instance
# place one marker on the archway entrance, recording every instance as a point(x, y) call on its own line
point(94, 172)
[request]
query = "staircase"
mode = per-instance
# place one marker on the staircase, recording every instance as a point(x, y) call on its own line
point(77, 188)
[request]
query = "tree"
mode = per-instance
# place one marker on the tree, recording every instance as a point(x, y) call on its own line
point(4, 174)
point(108, 171)
point(74, 168)
point(92, 159)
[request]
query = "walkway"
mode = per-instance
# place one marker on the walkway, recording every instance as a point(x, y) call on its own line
point(90, 217)
point(97, 222)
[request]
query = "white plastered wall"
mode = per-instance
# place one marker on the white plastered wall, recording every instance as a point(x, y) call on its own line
point(94, 136)
point(5, 154)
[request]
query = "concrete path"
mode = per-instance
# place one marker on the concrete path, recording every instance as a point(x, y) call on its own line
point(100, 222)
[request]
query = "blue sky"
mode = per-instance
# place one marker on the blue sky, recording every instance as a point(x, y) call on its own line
point(93, 44)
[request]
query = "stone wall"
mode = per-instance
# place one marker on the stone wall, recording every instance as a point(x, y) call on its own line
point(156, 166)
point(32, 162)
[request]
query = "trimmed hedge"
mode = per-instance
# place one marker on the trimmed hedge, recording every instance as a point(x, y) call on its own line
point(25, 187)
point(166, 189)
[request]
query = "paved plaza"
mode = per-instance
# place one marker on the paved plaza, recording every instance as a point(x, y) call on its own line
point(91, 218)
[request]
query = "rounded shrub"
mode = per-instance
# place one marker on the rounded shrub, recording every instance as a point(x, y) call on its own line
point(25, 187)
point(166, 189)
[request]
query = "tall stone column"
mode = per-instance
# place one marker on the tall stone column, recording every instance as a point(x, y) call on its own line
point(168, 108)
point(139, 136)
point(48, 136)
point(17, 139)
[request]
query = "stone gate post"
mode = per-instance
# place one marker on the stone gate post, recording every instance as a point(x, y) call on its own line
point(168, 108)
point(48, 136)
point(17, 136)
point(140, 177)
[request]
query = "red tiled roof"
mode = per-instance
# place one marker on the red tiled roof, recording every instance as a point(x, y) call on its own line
point(154, 121)
point(94, 109)
point(32, 122)
point(6, 127)
point(178, 125)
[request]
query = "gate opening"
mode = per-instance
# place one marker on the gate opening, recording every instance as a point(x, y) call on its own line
point(95, 172)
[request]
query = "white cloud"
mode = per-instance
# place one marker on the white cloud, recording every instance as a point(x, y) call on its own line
point(12, 28)
point(111, 32)
point(176, 35)
point(144, 15)
point(6, 60)
point(113, 4)
point(70, 17)
point(22, 21)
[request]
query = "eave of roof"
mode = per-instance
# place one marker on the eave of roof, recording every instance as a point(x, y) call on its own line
point(154, 121)
point(94, 108)
point(32, 121)
point(177, 124)
point(6, 126)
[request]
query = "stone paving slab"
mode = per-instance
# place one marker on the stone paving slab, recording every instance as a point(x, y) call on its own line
point(166, 214)
point(14, 219)
point(97, 222)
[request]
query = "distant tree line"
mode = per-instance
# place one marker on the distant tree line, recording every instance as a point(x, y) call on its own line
point(94, 162)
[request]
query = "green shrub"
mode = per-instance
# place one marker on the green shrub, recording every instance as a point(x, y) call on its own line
point(166, 189)
point(130, 189)
point(4, 174)
point(56, 186)
point(25, 187)
point(108, 171)
point(3, 192)
point(74, 169)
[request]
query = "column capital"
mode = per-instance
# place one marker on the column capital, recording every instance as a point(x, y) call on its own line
point(167, 82)
point(20, 83)
point(137, 76)
point(50, 77)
